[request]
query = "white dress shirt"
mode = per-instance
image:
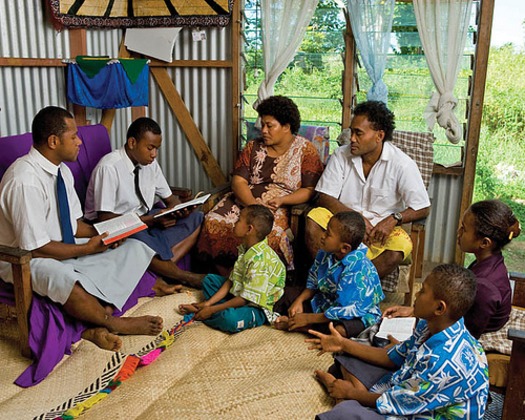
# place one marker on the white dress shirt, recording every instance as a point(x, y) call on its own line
point(112, 186)
point(393, 184)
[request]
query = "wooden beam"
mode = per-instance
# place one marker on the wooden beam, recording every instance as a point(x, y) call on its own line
point(479, 79)
point(236, 78)
point(198, 63)
point(108, 116)
point(57, 62)
point(78, 46)
point(31, 62)
point(348, 74)
point(187, 125)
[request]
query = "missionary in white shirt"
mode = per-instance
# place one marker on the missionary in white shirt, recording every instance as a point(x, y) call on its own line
point(376, 179)
point(79, 272)
point(131, 180)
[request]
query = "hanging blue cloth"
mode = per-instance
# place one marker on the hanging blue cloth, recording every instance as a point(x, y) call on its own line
point(110, 88)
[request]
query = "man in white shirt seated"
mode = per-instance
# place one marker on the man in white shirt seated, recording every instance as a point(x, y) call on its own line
point(130, 179)
point(375, 178)
point(40, 212)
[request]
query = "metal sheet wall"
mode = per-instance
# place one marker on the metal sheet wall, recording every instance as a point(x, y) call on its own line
point(442, 224)
point(206, 91)
point(26, 33)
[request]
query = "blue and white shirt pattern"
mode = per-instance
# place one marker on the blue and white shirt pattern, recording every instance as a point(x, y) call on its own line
point(442, 376)
point(347, 288)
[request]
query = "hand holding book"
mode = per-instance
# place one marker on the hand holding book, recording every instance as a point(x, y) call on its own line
point(399, 328)
point(186, 206)
point(120, 227)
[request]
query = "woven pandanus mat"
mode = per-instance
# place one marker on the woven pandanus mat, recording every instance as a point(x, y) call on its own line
point(77, 372)
point(259, 373)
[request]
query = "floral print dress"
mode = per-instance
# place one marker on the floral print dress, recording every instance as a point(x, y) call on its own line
point(268, 178)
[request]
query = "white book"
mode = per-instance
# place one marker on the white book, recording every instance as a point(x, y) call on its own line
point(192, 203)
point(120, 227)
point(399, 328)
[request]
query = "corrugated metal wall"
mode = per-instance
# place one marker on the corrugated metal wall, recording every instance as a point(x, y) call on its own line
point(442, 224)
point(24, 32)
point(23, 91)
point(206, 91)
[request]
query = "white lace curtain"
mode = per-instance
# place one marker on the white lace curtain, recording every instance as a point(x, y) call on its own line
point(284, 24)
point(371, 22)
point(442, 26)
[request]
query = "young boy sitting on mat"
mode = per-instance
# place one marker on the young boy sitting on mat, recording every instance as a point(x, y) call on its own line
point(343, 285)
point(245, 299)
point(440, 372)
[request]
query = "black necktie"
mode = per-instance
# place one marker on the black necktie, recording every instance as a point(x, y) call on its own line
point(63, 211)
point(137, 188)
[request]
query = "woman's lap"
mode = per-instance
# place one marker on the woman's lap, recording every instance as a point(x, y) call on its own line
point(218, 243)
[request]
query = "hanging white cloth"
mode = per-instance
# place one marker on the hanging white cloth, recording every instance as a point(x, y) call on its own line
point(371, 22)
point(284, 24)
point(443, 26)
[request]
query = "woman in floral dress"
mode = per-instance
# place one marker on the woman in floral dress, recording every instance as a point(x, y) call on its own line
point(279, 169)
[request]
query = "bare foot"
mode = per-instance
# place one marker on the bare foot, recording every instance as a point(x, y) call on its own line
point(324, 377)
point(281, 323)
point(187, 308)
point(103, 338)
point(161, 288)
point(140, 325)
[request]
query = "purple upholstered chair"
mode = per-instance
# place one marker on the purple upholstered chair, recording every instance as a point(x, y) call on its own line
point(95, 144)
point(46, 332)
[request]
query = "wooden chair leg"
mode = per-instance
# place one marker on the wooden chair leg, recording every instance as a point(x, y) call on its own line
point(416, 253)
point(513, 407)
point(23, 297)
point(420, 252)
point(409, 296)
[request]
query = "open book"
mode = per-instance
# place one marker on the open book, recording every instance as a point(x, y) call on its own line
point(399, 328)
point(192, 203)
point(120, 227)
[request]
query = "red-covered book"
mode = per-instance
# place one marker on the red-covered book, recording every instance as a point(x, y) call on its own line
point(120, 227)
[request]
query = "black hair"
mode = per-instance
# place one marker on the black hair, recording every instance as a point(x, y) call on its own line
point(352, 227)
point(141, 126)
point(379, 116)
point(283, 109)
point(261, 218)
point(49, 121)
point(496, 221)
point(456, 286)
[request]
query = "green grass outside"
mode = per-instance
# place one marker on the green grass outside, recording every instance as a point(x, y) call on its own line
point(500, 171)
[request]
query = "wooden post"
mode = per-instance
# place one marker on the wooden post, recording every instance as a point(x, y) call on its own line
point(513, 406)
point(236, 85)
point(476, 110)
point(348, 74)
point(78, 46)
point(108, 116)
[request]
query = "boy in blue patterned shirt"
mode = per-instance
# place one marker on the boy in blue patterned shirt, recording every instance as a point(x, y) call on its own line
point(342, 286)
point(245, 299)
point(440, 372)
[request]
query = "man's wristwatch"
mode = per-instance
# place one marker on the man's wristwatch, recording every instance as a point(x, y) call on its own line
point(398, 217)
